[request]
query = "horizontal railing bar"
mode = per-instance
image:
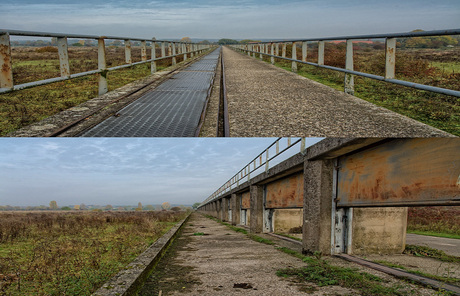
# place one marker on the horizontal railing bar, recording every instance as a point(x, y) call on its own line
point(434, 89)
point(373, 36)
point(48, 34)
point(77, 75)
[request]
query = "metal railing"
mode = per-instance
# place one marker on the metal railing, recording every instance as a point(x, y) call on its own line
point(263, 159)
point(174, 49)
point(271, 49)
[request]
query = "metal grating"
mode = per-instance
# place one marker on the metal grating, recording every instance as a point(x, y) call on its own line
point(173, 109)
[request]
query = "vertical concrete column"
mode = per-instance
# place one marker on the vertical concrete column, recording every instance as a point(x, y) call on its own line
point(6, 74)
point(320, 52)
point(236, 206)
point(294, 56)
point(304, 51)
point(317, 206)
point(277, 49)
point(174, 60)
point(63, 52)
point(128, 58)
point(163, 50)
point(144, 50)
point(349, 80)
point(224, 209)
point(272, 52)
point(153, 65)
point(102, 65)
point(283, 51)
point(390, 58)
point(256, 208)
point(261, 49)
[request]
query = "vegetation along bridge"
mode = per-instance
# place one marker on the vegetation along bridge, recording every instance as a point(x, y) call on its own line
point(244, 95)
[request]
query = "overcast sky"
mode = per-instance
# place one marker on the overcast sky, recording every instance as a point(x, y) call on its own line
point(120, 171)
point(238, 19)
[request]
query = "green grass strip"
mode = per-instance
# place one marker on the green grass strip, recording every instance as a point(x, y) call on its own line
point(423, 251)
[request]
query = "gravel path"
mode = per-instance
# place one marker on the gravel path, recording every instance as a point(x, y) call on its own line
point(210, 259)
point(266, 101)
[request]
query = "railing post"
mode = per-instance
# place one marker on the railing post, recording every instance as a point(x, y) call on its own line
point(163, 50)
point(304, 51)
point(390, 58)
point(283, 53)
point(174, 60)
point(144, 50)
point(184, 47)
point(6, 74)
point(128, 52)
point(170, 45)
point(349, 80)
point(320, 52)
point(261, 49)
point(277, 49)
point(294, 56)
point(102, 65)
point(153, 65)
point(63, 52)
point(272, 59)
point(254, 49)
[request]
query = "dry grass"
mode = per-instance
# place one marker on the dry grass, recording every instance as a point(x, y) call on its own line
point(72, 253)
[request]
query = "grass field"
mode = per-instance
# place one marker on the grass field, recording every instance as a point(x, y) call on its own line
point(440, 68)
point(434, 221)
point(73, 253)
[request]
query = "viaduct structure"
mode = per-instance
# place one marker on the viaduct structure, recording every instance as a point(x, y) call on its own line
point(347, 196)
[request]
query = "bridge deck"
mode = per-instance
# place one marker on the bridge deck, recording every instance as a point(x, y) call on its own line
point(173, 109)
point(264, 100)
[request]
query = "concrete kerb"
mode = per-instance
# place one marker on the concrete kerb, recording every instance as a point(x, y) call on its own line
point(129, 280)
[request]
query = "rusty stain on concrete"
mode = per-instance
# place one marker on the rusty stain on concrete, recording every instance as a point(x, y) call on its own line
point(419, 171)
point(245, 200)
point(285, 193)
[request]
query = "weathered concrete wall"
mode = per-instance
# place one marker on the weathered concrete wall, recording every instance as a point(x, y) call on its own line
point(236, 206)
point(379, 230)
point(286, 220)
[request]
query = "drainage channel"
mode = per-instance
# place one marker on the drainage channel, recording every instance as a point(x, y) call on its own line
point(173, 109)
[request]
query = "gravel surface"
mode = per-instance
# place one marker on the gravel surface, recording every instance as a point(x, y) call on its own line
point(211, 259)
point(266, 101)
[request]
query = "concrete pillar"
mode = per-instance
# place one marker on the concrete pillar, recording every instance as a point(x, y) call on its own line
point(236, 206)
point(256, 208)
point(317, 206)
point(224, 209)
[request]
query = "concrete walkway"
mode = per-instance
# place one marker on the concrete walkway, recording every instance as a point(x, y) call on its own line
point(209, 258)
point(265, 100)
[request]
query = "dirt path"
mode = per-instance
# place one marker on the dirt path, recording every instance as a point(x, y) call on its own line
point(264, 100)
point(211, 259)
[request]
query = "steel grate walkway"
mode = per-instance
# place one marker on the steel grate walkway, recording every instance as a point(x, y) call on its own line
point(173, 109)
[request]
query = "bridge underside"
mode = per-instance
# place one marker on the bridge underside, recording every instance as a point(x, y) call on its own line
point(331, 197)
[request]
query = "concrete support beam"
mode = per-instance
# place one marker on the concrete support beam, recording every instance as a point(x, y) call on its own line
point(256, 208)
point(236, 206)
point(317, 206)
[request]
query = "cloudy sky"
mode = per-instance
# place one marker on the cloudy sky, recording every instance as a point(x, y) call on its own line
point(239, 19)
point(120, 171)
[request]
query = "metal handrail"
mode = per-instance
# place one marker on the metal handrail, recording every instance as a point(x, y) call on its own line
point(262, 48)
point(6, 74)
point(245, 172)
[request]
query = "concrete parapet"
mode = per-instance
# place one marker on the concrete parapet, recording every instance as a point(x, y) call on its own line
point(130, 279)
